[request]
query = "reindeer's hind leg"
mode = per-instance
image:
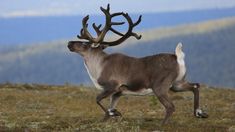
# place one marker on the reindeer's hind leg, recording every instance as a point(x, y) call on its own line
point(194, 87)
point(161, 91)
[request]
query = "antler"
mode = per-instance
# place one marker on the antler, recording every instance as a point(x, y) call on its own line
point(128, 34)
point(84, 34)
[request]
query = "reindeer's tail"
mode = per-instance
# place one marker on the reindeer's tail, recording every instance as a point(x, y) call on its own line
point(180, 59)
point(179, 52)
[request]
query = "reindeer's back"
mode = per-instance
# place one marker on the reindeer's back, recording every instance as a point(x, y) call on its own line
point(160, 62)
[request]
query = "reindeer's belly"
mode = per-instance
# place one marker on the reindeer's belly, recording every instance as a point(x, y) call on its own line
point(139, 92)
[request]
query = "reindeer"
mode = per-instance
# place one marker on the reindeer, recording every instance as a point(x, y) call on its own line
point(117, 74)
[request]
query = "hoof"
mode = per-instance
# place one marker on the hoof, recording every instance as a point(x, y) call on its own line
point(196, 85)
point(114, 112)
point(201, 114)
point(111, 113)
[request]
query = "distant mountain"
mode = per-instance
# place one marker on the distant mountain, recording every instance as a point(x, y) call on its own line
point(28, 30)
point(209, 48)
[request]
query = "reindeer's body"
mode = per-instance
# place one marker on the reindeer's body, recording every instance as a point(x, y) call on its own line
point(117, 74)
point(136, 74)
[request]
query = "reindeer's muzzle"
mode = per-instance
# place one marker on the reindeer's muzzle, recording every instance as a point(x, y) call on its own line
point(71, 46)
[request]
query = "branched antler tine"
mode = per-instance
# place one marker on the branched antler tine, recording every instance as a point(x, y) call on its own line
point(138, 21)
point(115, 31)
point(108, 7)
point(132, 25)
point(105, 10)
point(84, 20)
point(129, 32)
point(136, 35)
point(117, 23)
point(85, 32)
point(129, 20)
point(81, 31)
point(101, 36)
point(97, 29)
point(117, 14)
point(81, 36)
point(99, 26)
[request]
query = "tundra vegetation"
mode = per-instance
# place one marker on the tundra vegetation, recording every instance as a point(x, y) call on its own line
point(34, 107)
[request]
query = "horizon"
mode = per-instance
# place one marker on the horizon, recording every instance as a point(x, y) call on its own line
point(100, 13)
point(43, 28)
point(27, 8)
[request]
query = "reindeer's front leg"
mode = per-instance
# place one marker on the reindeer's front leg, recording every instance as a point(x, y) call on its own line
point(194, 87)
point(110, 88)
point(101, 96)
point(113, 102)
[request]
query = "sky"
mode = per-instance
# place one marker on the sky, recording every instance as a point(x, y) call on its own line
point(21, 8)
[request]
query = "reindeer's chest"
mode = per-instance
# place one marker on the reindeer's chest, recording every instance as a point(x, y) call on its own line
point(94, 68)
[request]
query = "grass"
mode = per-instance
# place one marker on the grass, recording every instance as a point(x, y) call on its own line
point(25, 107)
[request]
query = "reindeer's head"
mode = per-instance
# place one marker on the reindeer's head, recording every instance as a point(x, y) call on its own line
point(91, 43)
point(78, 47)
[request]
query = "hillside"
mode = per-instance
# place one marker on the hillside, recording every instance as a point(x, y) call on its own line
point(71, 108)
point(209, 48)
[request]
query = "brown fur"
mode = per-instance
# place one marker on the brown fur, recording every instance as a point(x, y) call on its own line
point(138, 73)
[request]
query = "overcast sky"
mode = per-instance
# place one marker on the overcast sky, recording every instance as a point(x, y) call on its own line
point(16, 8)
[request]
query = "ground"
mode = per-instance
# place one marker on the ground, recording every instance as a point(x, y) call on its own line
point(27, 107)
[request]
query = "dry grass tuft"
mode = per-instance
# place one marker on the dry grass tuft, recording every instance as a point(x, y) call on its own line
point(32, 107)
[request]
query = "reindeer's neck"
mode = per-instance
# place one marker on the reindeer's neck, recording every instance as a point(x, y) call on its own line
point(94, 65)
point(94, 56)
